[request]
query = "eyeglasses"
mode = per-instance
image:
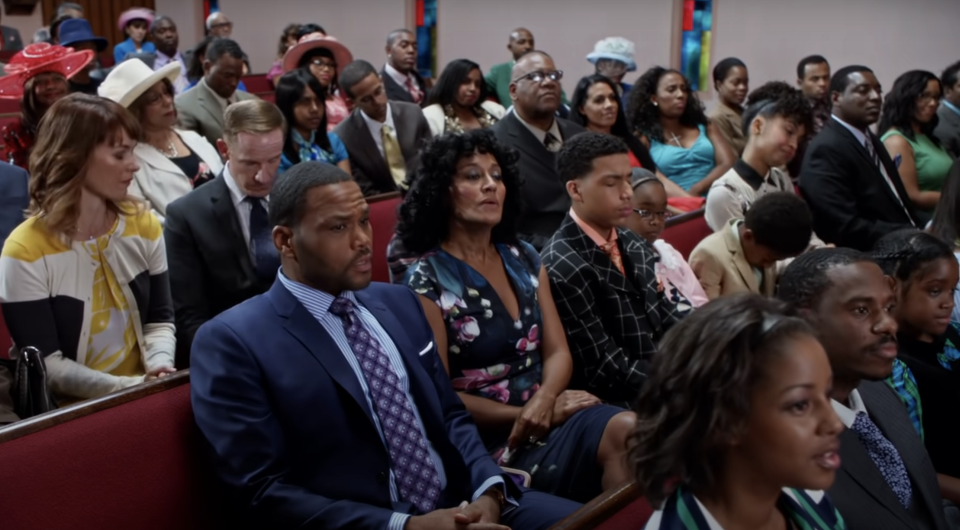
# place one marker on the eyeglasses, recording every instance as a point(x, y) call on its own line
point(646, 214)
point(539, 76)
point(320, 63)
point(219, 25)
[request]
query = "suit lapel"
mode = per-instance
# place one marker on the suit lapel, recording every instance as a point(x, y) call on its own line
point(594, 255)
point(154, 159)
point(739, 260)
point(406, 136)
point(226, 218)
point(394, 90)
point(525, 141)
point(857, 464)
point(210, 104)
point(643, 261)
point(367, 149)
point(865, 155)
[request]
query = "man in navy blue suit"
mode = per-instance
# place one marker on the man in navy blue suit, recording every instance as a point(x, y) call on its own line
point(324, 400)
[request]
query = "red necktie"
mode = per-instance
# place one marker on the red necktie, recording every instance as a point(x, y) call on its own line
point(414, 90)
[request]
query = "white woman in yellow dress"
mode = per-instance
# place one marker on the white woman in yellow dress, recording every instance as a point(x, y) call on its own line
point(84, 278)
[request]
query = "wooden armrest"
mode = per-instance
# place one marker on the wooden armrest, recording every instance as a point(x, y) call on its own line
point(600, 509)
point(684, 217)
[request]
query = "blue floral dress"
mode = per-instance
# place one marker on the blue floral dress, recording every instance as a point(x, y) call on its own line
point(491, 355)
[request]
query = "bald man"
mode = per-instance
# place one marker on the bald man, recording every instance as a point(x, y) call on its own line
point(498, 80)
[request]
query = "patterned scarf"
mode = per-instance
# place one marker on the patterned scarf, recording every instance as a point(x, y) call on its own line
point(309, 150)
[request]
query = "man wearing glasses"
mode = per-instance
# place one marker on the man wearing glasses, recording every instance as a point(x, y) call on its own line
point(218, 25)
point(535, 131)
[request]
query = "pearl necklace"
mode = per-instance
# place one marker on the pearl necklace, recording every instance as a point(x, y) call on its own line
point(169, 152)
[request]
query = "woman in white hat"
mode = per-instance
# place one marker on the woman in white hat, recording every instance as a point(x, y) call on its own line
point(613, 57)
point(325, 58)
point(172, 161)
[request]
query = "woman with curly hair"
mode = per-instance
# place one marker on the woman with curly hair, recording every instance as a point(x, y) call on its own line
point(670, 121)
point(488, 300)
point(735, 427)
point(458, 101)
point(909, 118)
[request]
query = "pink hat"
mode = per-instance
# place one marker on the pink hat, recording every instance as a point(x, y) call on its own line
point(39, 58)
point(136, 13)
point(312, 41)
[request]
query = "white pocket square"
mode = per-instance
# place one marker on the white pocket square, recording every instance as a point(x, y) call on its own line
point(428, 348)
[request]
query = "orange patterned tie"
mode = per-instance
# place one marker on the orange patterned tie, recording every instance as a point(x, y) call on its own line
point(612, 251)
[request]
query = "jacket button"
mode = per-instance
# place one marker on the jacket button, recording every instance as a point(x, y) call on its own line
point(382, 477)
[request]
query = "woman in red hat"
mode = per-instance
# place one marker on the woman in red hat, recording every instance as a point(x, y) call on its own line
point(325, 58)
point(37, 76)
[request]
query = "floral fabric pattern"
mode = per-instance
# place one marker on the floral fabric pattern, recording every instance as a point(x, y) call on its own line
point(490, 354)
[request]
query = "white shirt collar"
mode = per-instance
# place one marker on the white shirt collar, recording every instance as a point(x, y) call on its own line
point(539, 133)
point(848, 414)
point(236, 195)
point(223, 102)
point(860, 135)
point(375, 126)
point(396, 75)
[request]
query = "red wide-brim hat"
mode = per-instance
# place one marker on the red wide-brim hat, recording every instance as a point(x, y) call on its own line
point(311, 42)
point(36, 59)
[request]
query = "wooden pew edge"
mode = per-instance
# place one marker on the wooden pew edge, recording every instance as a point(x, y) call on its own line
point(684, 217)
point(598, 510)
point(86, 408)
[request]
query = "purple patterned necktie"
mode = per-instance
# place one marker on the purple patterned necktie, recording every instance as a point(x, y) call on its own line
point(416, 474)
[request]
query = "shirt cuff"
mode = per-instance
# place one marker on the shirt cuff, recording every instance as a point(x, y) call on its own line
point(497, 481)
point(397, 521)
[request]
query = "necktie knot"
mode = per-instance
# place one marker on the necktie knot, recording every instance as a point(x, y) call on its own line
point(551, 142)
point(343, 307)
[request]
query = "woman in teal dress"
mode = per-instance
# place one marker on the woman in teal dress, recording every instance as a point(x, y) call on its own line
point(735, 426)
point(497, 330)
point(909, 118)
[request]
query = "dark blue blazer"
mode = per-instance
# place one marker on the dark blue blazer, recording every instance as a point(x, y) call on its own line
point(292, 434)
point(14, 198)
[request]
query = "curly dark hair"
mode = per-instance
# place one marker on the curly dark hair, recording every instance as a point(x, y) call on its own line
point(805, 280)
point(946, 218)
point(575, 158)
point(426, 210)
point(777, 98)
point(900, 105)
point(904, 252)
point(697, 396)
point(780, 221)
point(644, 116)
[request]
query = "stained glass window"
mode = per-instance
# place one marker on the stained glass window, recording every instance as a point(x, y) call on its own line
point(210, 6)
point(695, 42)
point(426, 18)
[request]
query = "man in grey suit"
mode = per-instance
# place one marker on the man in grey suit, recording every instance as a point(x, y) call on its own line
point(886, 479)
point(948, 128)
point(382, 137)
point(201, 108)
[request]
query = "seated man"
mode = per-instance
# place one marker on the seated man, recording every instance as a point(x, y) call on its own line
point(382, 137)
point(602, 277)
point(201, 108)
point(848, 179)
point(401, 80)
point(886, 479)
point(325, 401)
point(742, 256)
point(218, 239)
point(534, 130)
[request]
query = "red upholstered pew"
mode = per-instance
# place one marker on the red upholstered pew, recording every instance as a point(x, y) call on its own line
point(132, 460)
point(686, 230)
point(383, 220)
point(619, 509)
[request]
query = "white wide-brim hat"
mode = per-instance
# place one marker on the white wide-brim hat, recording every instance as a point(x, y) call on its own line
point(616, 48)
point(130, 79)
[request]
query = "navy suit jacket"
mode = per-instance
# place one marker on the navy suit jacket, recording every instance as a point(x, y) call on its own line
point(293, 437)
point(14, 198)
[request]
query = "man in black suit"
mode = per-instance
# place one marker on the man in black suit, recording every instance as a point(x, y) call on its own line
point(534, 129)
point(400, 76)
point(382, 137)
point(220, 250)
point(886, 479)
point(851, 184)
point(948, 127)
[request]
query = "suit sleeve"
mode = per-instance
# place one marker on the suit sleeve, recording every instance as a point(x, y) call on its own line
point(187, 279)
point(187, 120)
point(828, 183)
point(593, 350)
point(234, 413)
point(709, 271)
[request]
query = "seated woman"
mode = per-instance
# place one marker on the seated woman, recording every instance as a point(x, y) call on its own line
point(906, 125)
point(324, 57)
point(288, 39)
point(735, 428)
point(37, 76)
point(84, 278)
point(596, 106)
point(732, 83)
point(172, 161)
point(299, 97)
point(497, 330)
point(669, 118)
point(135, 24)
point(650, 214)
point(458, 101)
point(613, 58)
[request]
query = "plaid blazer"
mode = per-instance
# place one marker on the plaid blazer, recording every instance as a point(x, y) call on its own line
point(613, 322)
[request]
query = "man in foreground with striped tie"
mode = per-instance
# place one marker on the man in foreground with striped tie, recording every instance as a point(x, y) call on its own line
point(325, 401)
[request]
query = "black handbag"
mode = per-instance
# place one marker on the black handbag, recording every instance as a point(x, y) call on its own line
point(29, 390)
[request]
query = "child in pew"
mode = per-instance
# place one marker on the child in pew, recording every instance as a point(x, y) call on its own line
point(737, 405)
point(926, 373)
point(650, 213)
point(742, 256)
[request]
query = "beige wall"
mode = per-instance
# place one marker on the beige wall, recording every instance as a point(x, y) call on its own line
point(188, 14)
point(26, 25)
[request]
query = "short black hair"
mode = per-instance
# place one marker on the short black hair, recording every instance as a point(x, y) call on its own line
point(392, 37)
point(780, 221)
point(777, 98)
point(426, 210)
point(805, 280)
point(309, 28)
point(353, 73)
point(722, 69)
point(220, 47)
point(949, 76)
point(288, 197)
point(444, 91)
point(159, 19)
point(575, 159)
point(902, 253)
point(841, 79)
point(810, 59)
